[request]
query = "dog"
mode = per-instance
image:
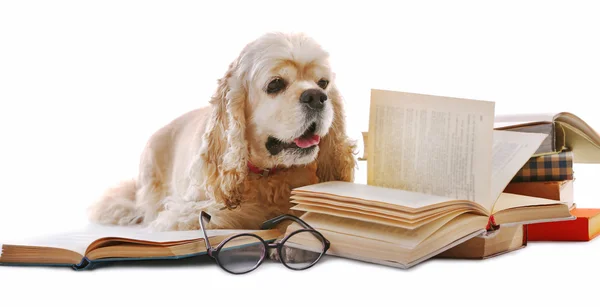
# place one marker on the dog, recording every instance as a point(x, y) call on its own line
point(275, 122)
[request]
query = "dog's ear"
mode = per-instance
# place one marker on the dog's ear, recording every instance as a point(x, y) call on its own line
point(336, 160)
point(221, 165)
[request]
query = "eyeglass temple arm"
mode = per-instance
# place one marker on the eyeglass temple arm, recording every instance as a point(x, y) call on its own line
point(276, 220)
point(207, 216)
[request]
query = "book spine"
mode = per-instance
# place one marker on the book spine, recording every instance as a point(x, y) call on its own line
point(85, 264)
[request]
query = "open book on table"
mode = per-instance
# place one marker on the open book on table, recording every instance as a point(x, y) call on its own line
point(564, 131)
point(436, 172)
point(97, 244)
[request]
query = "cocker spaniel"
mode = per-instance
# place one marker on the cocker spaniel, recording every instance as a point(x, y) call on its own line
point(276, 122)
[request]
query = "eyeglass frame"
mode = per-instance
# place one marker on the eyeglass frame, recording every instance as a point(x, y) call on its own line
point(213, 252)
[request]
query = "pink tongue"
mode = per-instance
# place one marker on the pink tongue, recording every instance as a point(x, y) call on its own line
point(308, 141)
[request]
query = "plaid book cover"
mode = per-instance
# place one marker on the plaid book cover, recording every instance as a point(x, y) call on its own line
point(553, 167)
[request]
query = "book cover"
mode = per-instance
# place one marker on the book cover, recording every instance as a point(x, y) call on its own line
point(491, 244)
point(553, 167)
point(585, 227)
point(556, 190)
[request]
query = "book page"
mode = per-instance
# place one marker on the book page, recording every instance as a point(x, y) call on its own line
point(395, 199)
point(73, 241)
point(376, 219)
point(456, 231)
point(580, 137)
point(78, 241)
point(510, 201)
point(511, 151)
point(508, 120)
point(405, 238)
point(431, 144)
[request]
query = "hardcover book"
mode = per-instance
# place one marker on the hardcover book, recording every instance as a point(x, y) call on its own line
point(98, 244)
point(551, 167)
point(585, 227)
point(491, 244)
point(557, 190)
point(436, 170)
point(564, 131)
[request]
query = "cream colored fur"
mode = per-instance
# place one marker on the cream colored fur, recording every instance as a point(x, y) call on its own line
point(199, 160)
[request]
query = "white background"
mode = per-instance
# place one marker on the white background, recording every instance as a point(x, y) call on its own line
point(83, 85)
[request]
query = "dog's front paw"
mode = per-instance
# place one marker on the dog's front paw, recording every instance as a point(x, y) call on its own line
point(171, 221)
point(162, 225)
point(274, 255)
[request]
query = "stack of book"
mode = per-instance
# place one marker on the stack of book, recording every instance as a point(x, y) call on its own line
point(549, 172)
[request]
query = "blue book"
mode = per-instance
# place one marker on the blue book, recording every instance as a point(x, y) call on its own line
point(95, 245)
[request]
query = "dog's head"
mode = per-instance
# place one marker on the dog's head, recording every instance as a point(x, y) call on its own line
point(277, 106)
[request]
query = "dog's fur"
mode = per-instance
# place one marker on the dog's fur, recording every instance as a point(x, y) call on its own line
point(199, 160)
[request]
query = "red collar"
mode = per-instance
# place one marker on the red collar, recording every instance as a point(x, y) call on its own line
point(264, 172)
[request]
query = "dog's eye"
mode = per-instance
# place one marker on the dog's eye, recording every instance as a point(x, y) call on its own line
point(323, 83)
point(275, 86)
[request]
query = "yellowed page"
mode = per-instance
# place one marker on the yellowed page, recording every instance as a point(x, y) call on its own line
point(370, 210)
point(373, 218)
point(373, 194)
point(511, 151)
point(133, 250)
point(507, 201)
point(431, 144)
point(462, 227)
point(317, 201)
point(580, 137)
point(329, 209)
point(79, 240)
point(360, 217)
point(404, 238)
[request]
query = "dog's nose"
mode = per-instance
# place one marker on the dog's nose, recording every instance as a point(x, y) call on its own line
point(314, 98)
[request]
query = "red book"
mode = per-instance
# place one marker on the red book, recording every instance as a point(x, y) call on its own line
point(585, 227)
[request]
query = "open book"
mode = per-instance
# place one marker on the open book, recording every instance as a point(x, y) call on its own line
point(565, 131)
point(97, 244)
point(435, 175)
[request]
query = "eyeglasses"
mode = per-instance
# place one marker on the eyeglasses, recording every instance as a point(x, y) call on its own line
point(243, 253)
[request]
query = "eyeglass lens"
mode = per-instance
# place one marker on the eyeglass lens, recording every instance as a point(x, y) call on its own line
point(296, 257)
point(241, 254)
